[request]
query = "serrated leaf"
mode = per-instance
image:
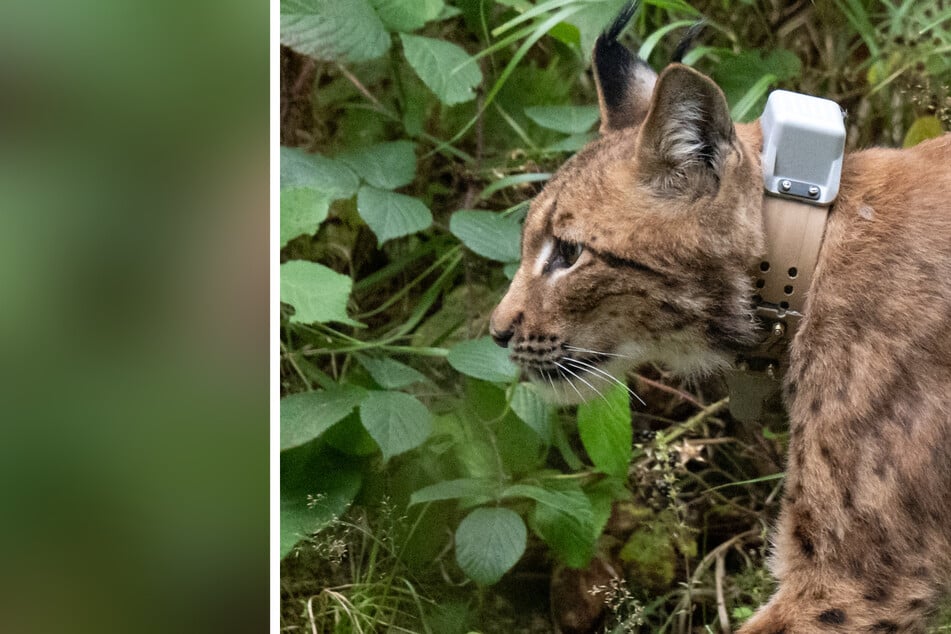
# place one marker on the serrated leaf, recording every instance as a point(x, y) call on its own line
point(482, 359)
point(390, 373)
point(308, 415)
point(407, 15)
point(332, 30)
point(489, 234)
point(572, 536)
point(317, 293)
point(473, 453)
point(528, 405)
point(309, 183)
point(397, 421)
point(391, 215)
point(454, 489)
point(350, 437)
point(567, 119)
point(384, 165)
point(489, 541)
point(304, 170)
point(445, 68)
point(572, 501)
point(605, 429)
point(302, 211)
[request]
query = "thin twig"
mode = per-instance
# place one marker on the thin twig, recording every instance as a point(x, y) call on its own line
point(694, 421)
point(366, 93)
point(663, 387)
point(719, 573)
point(289, 356)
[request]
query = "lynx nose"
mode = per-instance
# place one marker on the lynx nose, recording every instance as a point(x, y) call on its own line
point(501, 337)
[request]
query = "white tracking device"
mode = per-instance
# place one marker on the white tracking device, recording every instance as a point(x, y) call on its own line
point(803, 144)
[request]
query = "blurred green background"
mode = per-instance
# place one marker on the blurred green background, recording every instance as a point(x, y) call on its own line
point(134, 268)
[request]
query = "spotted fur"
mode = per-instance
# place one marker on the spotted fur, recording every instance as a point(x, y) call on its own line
point(666, 207)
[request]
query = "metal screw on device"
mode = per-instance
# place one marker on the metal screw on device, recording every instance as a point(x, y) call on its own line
point(779, 330)
point(785, 185)
point(813, 191)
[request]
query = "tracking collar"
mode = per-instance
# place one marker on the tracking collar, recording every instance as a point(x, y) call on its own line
point(803, 146)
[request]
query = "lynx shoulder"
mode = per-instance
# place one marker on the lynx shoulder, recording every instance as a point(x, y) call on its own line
point(640, 249)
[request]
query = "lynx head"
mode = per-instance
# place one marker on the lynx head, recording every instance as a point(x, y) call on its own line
point(638, 248)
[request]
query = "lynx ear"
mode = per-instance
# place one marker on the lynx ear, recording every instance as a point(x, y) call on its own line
point(687, 131)
point(625, 83)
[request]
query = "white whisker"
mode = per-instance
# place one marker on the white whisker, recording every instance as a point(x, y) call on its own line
point(599, 353)
point(563, 369)
point(580, 378)
point(552, 383)
point(591, 368)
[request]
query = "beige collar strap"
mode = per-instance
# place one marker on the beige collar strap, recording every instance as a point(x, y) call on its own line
point(801, 159)
point(794, 232)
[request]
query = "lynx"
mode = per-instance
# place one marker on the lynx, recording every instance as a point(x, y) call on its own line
point(641, 248)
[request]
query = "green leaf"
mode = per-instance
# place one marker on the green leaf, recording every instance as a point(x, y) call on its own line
point(471, 451)
point(407, 15)
point(591, 20)
point(385, 165)
point(488, 233)
point(567, 119)
point(445, 68)
point(309, 183)
point(303, 170)
point(390, 373)
point(572, 143)
point(349, 436)
point(519, 447)
point(317, 293)
point(513, 180)
point(454, 489)
point(482, 359)
point(743, 75)
point(391, 215)
point(743, 109)
point(489, 541)
point(651, 41)
point(528, 405)
point(571, 501)
point(605, 430)
point(922, 129)
point(307, 415)
point(332, 30)
point(317, 485)
point(571, 535)
point(302, 211)
point(398, 422)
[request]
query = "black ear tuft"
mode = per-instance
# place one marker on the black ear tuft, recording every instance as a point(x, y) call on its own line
point(620, 21)
point(624, 82)
point(686, 42)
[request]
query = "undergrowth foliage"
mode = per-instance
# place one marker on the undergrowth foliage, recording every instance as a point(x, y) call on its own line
point(416, 471)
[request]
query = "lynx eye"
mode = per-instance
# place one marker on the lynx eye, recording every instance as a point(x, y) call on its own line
point(565, 254)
